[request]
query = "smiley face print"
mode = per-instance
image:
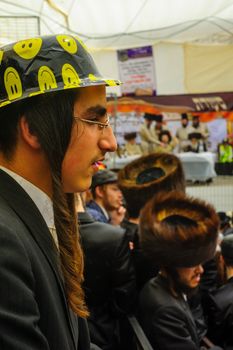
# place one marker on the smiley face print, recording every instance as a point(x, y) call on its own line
point(46, 79)
point(70, 76)
point(12, 83)
point(28, 49)
point(67, 43)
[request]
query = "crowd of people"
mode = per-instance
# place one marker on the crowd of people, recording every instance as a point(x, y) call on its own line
point(75, 264)
point(174, 242)
point(155, 136)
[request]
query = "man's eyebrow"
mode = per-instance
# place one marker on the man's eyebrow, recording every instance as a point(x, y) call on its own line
point(94, 111)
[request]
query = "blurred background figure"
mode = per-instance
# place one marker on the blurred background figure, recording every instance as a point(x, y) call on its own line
point(225, 152)
point(182, 133)
point(196, 143)
point(131, 148)
point(167, 143)
point(109, 279)
point(225, 223)
point(157, 127)
point(148, 141)
point(197, 126)
point(106, 205)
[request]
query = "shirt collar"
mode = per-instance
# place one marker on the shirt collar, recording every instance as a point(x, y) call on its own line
point(104, 211)
point(41, 199)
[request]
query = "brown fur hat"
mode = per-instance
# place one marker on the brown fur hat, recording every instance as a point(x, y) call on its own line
point(147, 176)
point(177, 230)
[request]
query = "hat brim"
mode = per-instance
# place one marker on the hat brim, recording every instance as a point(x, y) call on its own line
point(60, 86)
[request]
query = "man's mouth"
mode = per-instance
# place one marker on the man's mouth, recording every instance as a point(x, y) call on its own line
point(197, 278)
point(98, 164)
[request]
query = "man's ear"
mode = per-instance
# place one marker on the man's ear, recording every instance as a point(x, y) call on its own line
point(27, 135)
point(99, 191)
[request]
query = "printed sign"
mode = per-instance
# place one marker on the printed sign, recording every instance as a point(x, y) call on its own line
point(137, 71)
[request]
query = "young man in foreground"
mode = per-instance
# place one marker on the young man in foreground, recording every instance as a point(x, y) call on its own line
point(53, 131)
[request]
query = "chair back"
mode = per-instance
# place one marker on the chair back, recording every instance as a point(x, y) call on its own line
point(142, 343)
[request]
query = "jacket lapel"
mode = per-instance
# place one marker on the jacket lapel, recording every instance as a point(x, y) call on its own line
point(28, 212)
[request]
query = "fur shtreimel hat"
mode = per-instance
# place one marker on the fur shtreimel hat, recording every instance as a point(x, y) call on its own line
point(147, 176)
point(177, 230)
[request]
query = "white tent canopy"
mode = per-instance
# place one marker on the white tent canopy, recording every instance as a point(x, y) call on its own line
point(120, 23)
point(191, 39)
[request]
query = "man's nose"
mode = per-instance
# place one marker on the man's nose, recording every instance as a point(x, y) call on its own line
point(108, 141)
point(200, 269)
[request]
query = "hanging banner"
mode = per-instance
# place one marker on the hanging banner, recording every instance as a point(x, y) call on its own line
point(137, 71)
point(207, 106)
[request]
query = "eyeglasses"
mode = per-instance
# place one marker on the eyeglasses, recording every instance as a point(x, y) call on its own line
point(101, 125)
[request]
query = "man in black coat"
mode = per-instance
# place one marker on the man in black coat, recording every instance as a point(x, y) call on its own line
point(52, 134)
point(220, 302)
point(179, 233)
point(109, 279)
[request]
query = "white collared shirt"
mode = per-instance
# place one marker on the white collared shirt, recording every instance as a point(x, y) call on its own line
point(104, 211)
point(40, 198)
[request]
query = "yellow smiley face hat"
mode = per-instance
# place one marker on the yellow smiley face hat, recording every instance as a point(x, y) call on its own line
point(44, 64)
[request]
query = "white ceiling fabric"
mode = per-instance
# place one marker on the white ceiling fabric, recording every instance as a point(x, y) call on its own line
point(125, 23)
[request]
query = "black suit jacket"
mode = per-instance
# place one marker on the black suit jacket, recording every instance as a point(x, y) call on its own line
point(166, 320)
point(220, 315)
point(34, 313)
point(109, 278)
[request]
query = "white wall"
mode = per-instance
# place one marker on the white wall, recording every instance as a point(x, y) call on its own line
point(181, 69)
point(168, 68)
